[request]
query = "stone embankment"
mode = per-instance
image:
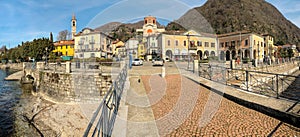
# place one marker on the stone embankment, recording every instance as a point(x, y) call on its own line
point(15, 66)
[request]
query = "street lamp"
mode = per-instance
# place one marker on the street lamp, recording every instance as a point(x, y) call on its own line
point(46, 55)
point(188, 37)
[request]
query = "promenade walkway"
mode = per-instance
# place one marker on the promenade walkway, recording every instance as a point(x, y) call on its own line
point(183, 104)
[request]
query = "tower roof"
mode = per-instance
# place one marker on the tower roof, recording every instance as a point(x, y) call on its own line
point(73, 17)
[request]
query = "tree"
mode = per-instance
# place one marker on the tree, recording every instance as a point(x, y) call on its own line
point(51, 37)
point(64, 35)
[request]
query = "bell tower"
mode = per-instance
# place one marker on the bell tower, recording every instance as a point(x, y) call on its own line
point(73, 25)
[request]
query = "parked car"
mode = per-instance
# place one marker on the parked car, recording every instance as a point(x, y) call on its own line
point(158, 62)
point(137, 62)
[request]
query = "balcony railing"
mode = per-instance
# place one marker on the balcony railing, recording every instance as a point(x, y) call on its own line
point(88, 50)
point(92, 41)
point(193, 48)
point(80, 42)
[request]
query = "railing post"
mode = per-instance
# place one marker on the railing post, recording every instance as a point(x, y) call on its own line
point(277, 86)
point(227, 77)
point(247, 80)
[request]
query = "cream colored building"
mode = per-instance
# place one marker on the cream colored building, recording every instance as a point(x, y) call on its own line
point(177, 45)
point(90, 43)
point(242, 45)
point(269, 48)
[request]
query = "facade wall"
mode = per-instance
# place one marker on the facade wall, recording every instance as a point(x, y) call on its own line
point(91, 42)
point(252, 46)
point(64, 48)
point(132, 47)
point(176, 46)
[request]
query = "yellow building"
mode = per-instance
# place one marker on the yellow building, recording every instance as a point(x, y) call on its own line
point(177, 45)
point(64, 48)
point(241, 45)
point(141, 51)
point(115, 45)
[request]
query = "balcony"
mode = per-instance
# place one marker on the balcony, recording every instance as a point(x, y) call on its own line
point(92, 41)
point(193, 48)
point(80, 43)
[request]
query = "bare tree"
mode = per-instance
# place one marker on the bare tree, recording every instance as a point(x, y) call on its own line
point(64, 35)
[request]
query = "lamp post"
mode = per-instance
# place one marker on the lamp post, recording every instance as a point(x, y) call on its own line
point(46, 55)
point(188, 37)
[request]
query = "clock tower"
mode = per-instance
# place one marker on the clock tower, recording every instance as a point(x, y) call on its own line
point(73, 25)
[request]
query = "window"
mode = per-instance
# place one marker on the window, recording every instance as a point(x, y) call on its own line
point(254, 42)
point(222, 45)
point(92, 54)
point(169, 43)
point(262, 44)
point(246, 42)
point(192, 43)
point(176, 42)
point(81, 55)
point(199, 43)
point(226, 44)
point(232, 43)
point(184, 43)
point(238, 42)
point(206, 44)
point(212, 45)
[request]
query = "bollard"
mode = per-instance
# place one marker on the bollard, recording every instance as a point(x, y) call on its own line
point(163, 72)
point(232, 64)
point(195, 66)
point(68, 67)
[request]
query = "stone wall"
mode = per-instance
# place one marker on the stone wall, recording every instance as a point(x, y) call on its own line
point(73, 87)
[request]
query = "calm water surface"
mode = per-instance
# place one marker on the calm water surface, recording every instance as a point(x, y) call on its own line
point(10, 92)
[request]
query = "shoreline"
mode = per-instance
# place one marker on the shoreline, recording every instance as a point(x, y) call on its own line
point(16, 67)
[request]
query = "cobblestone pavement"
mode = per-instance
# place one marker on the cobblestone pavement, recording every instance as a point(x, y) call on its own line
point(229, 119)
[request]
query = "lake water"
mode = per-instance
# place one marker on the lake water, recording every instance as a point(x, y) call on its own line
point(10, 92)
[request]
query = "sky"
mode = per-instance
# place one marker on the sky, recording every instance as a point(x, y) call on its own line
point(24, 20)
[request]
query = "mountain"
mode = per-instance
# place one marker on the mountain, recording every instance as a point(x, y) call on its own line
point(224, 16)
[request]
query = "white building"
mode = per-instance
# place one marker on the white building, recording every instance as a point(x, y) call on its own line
point(151, 47)
point(132, 47)
point(90, 43)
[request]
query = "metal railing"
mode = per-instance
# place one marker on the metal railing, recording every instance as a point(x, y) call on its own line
point(108, 108)
point(265, 83)
point(101, 67)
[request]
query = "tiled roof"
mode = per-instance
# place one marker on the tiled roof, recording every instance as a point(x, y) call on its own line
point(64, 42)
